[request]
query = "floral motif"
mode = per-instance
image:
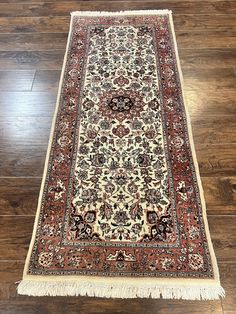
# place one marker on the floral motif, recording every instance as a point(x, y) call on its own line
point(195, 261)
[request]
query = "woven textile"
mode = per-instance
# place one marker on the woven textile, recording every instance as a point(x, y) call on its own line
point(121, 210)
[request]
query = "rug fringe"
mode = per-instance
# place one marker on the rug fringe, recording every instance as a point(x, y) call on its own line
point(130, 12)
point(119, 290)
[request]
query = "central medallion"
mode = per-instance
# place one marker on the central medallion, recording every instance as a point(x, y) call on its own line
point(121, 103)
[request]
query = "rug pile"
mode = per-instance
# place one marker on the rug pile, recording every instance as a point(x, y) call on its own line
point(121, 210)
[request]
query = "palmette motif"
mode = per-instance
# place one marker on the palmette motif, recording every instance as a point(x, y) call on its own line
point(121, 195)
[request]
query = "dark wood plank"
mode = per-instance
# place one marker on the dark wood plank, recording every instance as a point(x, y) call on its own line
point(42, 103)
point(203, 22)
point(220, 194)
point(25, 130)
point(214, 129)
point(15, 234)
point(198, 102)
point(46, 80)
point(24, 142)
point(16, 244)
point(33, 41)
point(27, 104)
point(42, 24)
point(203, 102)
point(221, 209)
point(206, 39)
point(64, 8)
point(194, 58)
point(18, 196)
point(212, 80)
point(216, 160)
point(32, 60)
point(222, 229)
point(51, 1)
point(16, 80)
point(87, 305)
point(45, 24)
point(18, 160)
point(228, 277)
point(11, 271)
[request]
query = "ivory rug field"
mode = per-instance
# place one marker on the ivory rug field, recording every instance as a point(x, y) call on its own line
point(121, 211)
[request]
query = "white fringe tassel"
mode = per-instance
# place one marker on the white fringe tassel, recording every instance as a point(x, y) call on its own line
point(65, 288)
point(112, 13)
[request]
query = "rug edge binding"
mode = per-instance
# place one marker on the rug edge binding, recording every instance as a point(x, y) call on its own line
point(123, 291)
point(195, 161)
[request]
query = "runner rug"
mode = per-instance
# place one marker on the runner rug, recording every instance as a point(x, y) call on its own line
point(121, 210)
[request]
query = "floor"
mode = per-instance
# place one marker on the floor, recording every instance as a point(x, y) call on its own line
point(33, 36)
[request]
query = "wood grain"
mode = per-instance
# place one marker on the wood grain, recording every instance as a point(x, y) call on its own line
point(223, 235)
point(208, 103)
point(25, 131)
point(32, 60)
point(209, 39)
point(208, 58)
point(220, 192)
point(214, 129)
point(18, 161)
point(11, 271)
point(216, 79)
point(18, 196)
point(101, 306)
point(228, 277)
point(24, 143)
point(51, 77)
point(216, 160)
point(15, 234)
point(64, 8)
point(37, 24)
point(45, 24)
point(16, 80)
point(27, 104)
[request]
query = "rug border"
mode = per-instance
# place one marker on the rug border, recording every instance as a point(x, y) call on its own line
point(167, 288)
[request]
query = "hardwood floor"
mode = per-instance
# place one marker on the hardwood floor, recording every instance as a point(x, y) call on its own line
point(33, 36)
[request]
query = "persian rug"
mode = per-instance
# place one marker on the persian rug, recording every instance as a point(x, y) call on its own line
point(121, 211)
